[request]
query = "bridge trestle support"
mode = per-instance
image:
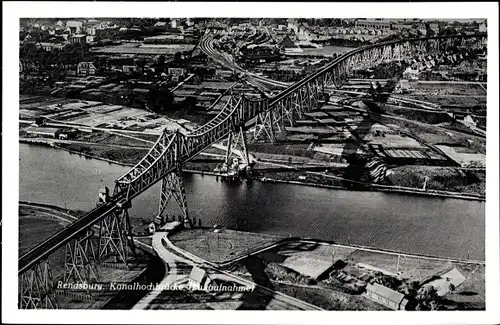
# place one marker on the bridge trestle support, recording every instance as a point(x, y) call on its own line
point(36, 288)
point(236, 145)
point(80, 259)
point(172, 187)
point(115, 236)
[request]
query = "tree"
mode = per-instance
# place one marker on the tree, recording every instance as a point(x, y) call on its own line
point(428, 298)
point(452, 287)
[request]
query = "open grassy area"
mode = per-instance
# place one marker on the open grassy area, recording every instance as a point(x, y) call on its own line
point(125, 156)
point(435, 135)
point(126, 141)
point(471, 293)
point(222, 246)
point(33, 229)
point(440, 178)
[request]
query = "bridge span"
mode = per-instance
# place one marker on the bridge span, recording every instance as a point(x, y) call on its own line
point(163, 162)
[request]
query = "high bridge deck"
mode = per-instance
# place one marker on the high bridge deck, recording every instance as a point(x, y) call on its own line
point(329, 66)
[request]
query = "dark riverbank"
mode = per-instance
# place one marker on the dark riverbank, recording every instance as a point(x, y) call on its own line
point(129, 157)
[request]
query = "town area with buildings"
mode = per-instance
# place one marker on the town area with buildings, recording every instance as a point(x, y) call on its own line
point(109, 88)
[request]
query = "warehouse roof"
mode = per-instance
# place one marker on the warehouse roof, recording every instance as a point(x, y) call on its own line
point(385, 292)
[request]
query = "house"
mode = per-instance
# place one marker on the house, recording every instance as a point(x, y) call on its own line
point(224, 73)
point(386, 296)
point(129, 69)
point(453, 278)
point(161, 24)
point(434, 27)
point(373, 23)
point(401, 27)
point(197, 278)
point(286, 43)
point(91, 31)
point(68, 134)
point(176, 71)
point(292, 24)
point(43, 132)
point(410, 74)
point(86, 69)
point(469, 121)
point(421, 28)
point(78, 39)
point(49, 46)
point(482, 27)
point(75, 24)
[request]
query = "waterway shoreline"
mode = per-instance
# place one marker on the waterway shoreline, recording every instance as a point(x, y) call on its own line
point(55, 208)
point(373, 187)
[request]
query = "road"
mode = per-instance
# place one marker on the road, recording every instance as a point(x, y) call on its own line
point(275, 300)
point(172, 276)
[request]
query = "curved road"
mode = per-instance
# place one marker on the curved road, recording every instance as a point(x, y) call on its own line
point(275, 299)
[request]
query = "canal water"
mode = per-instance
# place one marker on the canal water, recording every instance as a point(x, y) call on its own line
point(416, 224)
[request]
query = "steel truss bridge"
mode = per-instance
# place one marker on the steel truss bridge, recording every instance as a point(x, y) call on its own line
point(85, 248)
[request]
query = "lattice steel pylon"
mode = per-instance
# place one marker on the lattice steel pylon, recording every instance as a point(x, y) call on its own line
point(172, 186)
point(80, 259)
point(115, 235)
point(36, 288)
point(236, 145)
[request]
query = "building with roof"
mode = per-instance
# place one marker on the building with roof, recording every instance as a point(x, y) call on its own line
point(78, 38)
point(434, 27)
point(43, 131)
point(197, 278)
point(386, 296)
point(286, 43)
point(74, 23)
point(421, 28)
point(483, 27)
point(129, 69)
point(373, 23)
point(442, 284)
point(176, 71)
point(86, 68)
point(402, 26)
point(49, 46)
point(160, 24)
